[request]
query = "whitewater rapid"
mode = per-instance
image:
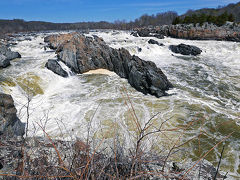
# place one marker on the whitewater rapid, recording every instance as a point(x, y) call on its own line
point(207, 90)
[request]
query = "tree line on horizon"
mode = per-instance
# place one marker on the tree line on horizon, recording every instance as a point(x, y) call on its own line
point(217, 16)
point(202, 18)
point(145, 20)
point(20, 25)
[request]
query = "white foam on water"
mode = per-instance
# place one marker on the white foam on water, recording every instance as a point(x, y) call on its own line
point(69, 105)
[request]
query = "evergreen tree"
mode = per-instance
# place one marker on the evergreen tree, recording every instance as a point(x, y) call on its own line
point(177, 20)
point(194, 18)
point(231, 17)
point(202, 18)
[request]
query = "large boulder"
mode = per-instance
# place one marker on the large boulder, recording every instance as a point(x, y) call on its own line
point(4, 62)
point(82, 54)
point(185, 49)
point(54, 66)
point(152, 41)
point(12, 55)
point(10, 125)
point(6, 55)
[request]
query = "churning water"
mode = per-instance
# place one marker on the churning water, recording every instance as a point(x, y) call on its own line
point(202, 109)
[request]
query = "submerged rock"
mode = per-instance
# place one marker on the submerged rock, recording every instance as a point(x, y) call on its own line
point(6, 55)
point(10, 125)
point(185, 49)
point(54, 66)
point(83, 54)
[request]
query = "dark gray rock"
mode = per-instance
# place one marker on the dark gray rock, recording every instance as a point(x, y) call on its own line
point(4, 62)
point(28, 39)
point(11, 44)
point(12, 55)
point(146, 77)
point(147, 32)
point(135, 34)
point(83, 54)
point(4, 50)
point(6, 55)
point(185, 49)
point(54, 66)
point(159, 36)
point(10, 125)
point(152, 41)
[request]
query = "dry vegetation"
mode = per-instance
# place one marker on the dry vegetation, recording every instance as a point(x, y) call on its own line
point(45, 158)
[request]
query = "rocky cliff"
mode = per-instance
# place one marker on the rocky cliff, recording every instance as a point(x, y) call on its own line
point(228, 32)
point(83, 54)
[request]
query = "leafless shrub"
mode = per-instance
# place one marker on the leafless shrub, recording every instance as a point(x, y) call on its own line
point(47, 158)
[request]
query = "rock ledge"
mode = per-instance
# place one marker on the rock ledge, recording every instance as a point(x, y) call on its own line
point(82, 54)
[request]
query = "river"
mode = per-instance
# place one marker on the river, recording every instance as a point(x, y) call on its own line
point(201, 109)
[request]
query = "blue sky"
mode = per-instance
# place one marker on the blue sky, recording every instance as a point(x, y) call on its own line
point(96, 10)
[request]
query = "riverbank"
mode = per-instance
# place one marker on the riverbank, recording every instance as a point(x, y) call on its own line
point(43, 157)
point(228, 32)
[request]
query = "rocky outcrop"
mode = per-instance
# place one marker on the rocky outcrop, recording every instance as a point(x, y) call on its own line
point(54, 41)
point(6, 55)
point(10, 125)
point(185, 49)
point(146, 32)
point(228, 32)
point(152, 41)
point(54, 66)
point(83, 54)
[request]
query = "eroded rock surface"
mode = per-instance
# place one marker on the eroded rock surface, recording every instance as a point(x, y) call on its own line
point(83, 54)
point(228, 32)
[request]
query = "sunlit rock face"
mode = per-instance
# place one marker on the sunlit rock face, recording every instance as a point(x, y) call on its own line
point(228, 32)
point(83, 54)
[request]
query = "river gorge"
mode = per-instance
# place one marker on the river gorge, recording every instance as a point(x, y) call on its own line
point(201, 109)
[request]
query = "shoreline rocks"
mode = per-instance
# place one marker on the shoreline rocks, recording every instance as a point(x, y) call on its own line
point(228, 32)
point(10, 125)
point(82, 54)
point(185, 49)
